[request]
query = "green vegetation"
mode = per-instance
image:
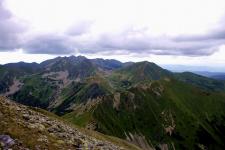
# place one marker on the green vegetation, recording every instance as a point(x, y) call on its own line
point(77, 93)
point(182, 110)
point(201, 82)
point(197, 116)
point(36, 91)
point(81, 120)
point(136, 73)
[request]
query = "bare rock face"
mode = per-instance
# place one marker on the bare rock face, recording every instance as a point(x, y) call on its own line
point(28, 128)
point(16, 85)
point(163, 147)
point(116, 101)
point(6, 141)
point(139, 140)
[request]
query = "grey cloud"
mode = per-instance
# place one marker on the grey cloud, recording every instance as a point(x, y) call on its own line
point(10, 30)
point(49, 44)
point(57, 44)
point(213, 35)
point(144, 44)
point(138, 42)
point(122, 43)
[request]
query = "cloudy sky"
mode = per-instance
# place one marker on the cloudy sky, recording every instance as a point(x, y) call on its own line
point(187, 32)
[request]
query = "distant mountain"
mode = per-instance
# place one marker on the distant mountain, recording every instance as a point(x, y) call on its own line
point(144, 70)
point(107, 64)
point(219, 77)
point(201, 81)
point(217, 73)
point(135, 73)
point(141, 102)
point(214, 75)
point(77, 67)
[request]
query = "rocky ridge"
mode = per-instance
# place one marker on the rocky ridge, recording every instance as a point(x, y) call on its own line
point(29, 129)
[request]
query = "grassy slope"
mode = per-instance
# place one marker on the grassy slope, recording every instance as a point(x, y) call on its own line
point(149, 114)
point(136, 73)
point(77, 93)
point(190, 108)
point(201, 81)
point(37, 91)
point(15, 70)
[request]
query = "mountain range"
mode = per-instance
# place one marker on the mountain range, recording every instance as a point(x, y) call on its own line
point(141, 102)
point(214, 75)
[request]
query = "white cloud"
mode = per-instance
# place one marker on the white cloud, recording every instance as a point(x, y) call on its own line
point(126, 29)
point(162, 17)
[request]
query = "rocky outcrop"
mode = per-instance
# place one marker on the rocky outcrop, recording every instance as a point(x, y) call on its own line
point(22, 127)
point(116, 101)
point(139, 140)
point(6, 141)
point(16, 85)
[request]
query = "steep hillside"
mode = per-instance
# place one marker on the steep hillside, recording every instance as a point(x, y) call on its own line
point(201, 81)
point(36, 91)
point(23, 127)
point(78, 93)
point(10, 73)
point(165, 113)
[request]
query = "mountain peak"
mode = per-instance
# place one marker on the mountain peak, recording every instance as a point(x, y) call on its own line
point(147, 64)
point(80, 57)
point(145, 70)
